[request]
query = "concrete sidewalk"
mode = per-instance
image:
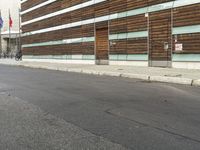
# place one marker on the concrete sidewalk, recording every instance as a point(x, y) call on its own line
point(168, 75)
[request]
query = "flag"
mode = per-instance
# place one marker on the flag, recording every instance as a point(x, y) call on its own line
point(1, 22)
point(10, 21)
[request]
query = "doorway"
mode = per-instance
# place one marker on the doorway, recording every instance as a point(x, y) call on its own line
point(102, 46)
point(160, 39)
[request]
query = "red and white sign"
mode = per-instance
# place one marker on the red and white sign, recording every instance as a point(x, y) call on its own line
point(178, 47)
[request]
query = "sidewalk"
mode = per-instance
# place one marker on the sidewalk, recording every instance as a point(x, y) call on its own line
point(168, 75)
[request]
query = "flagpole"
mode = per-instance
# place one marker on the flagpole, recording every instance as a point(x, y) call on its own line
point(19, 32)
point(9, 44)
point(0, 40)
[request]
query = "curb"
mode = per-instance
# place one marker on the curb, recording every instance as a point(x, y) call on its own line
point(90, 72)
point(196, 83)
point(136, 76)
point(107, 73)
point(176, 80)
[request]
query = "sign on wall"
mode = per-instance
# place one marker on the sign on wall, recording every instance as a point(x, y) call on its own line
point(178, 47)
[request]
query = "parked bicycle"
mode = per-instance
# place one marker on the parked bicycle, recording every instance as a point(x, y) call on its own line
point(18, 56)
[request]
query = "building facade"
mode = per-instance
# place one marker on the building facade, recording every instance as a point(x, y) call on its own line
point(13, 6)
point(161, 33)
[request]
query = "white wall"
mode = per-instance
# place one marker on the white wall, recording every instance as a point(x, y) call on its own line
point(14, 6)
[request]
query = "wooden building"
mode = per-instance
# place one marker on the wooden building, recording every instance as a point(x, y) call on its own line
point(162, 33)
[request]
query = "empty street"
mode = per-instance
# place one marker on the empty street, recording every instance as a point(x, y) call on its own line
point(42, 109)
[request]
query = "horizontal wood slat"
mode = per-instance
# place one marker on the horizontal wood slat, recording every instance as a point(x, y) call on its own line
point(160, 28)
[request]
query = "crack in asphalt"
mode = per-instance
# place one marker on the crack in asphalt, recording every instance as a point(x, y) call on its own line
point(56, 117)
point(108, 111)
point(7, 91)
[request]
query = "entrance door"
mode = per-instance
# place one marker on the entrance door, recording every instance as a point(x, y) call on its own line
point(102, 46)
point(160, 32)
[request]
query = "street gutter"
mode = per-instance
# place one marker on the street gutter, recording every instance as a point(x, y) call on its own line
point(150, 78)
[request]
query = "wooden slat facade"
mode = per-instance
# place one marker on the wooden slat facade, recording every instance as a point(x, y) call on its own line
point(187, 16)
point(159, 24)
point(160, 30)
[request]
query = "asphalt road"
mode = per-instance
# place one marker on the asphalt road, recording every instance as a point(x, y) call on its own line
point(126, 113)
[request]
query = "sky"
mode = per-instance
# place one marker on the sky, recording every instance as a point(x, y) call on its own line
point(14, 6)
